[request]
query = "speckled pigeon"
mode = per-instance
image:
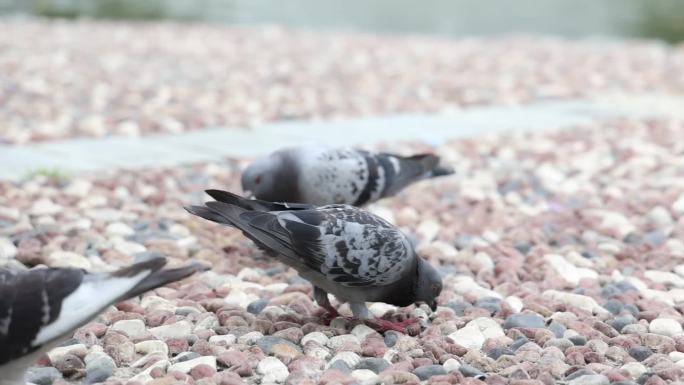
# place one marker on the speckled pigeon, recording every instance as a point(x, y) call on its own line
point(323, 175)
point(40, 307)
point(342, 250)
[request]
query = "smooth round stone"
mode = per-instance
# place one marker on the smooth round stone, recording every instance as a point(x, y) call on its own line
point(620, 322)
point(391, 339)
point(560, 343)
point(273, 370)
point(425, 372)
point(42, 375)
point(499, 351)
point(338, 341)
point(470, 371)
point(578, 340)
point(271, 345)
point(341, 366)
point(257, 306)
point(524, 320)
point(665, 326)
point(98, 374)
point(376, 365)
point(459, 307)
point(523, 248)
point(133, 328)
point(490, 304)
point(520, 341)
point(317, 337)
point(590, 379)
point(451, 365)
point(640, 352)
point(557, 329)
point(613, 305)
point(364, 377)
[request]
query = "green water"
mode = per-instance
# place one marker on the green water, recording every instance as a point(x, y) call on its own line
point(660, 19)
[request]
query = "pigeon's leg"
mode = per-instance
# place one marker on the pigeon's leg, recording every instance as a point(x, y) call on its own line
point(321, 298)
point(361, 311)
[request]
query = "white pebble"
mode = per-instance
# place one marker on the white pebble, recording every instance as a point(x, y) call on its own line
point(676, 247)
point(227, 339)
point(240, 298)
point(69, 259)
point(678, 205)
point(515, 303)
point(7, 248)
point(578, 300)
point(466, 285)
point(186, 366)
point(337, 341)
point(79, 350)
point(44, 206)
point(152, 346)
point(568, 271)
point(129, 248)
point(378, 309)
point(635, 369)
point(133, 328)
point(364, 377)
point(475, 332)
point(273, 370)
point(665, 326)
point(349, 358)
point(120, 229)
point(317, 337)
point(664, 277)
point(179, 329)
point(154, 302)
point(250, 338)
point(451, 365)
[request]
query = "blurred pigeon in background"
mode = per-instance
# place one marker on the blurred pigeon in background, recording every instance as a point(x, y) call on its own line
point(340, 249)
point(39, 307)
point(322, 175)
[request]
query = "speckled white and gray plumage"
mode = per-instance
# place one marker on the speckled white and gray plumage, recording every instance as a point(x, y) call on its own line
point(342, 250)
point(39, 307)
point(323, 175)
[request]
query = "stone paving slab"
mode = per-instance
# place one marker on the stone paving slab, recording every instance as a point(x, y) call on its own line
point(92, 155)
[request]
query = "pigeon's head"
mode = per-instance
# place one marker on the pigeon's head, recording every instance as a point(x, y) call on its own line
point(259, 176)
point(428, 285)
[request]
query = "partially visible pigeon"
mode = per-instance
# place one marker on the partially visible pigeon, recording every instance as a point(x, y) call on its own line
point(322, 175)
point(39, 307)
point(340, 249)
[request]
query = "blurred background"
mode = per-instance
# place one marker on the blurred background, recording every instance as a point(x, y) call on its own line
point(658, 19)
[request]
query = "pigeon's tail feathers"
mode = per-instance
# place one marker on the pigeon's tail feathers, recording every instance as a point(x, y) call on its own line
point(163, 277)
point(254, 204)
point(428, 166)
point(262, 228)
point(206, 213)
point(97, 291)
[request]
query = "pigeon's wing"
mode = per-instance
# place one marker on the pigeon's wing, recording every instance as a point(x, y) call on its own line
point(41, 305)
point(349, 246)
point(255, 204)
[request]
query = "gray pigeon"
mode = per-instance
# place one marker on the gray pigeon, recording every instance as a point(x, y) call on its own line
point(322, 175)
point(341, 249)
point(40, 307)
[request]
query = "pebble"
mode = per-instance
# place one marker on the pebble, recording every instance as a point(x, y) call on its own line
point(639, 352)
point(272, 370)
point(578, 300)
point(277, 346)
point(635, 369)
point(373, 364)
point(69, 259)
point(475, 332)
point(7, 248)
point(257, 306)
point(425, 372)
point(665, 326)
point(179, 329)
point(364, 377)
point(451, 365)
point(568, 271)
point(524, 320)
point(152, 346)
point(187, 366)
point(337, 342)
point(42, 375)
point(133, 328)
point(470, 371)
point(226, 339)
point(590, 379)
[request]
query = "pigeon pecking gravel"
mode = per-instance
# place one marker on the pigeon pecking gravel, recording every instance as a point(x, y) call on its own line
point(340, 249)
point(323, 175)
point(39, 307)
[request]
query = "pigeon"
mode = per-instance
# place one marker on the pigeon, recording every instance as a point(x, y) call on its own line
point(40, 307)
point(341, 249)
point(322, 175)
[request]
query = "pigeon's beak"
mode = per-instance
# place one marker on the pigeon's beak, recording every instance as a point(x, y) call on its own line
point(249, 194)
point(433, 305)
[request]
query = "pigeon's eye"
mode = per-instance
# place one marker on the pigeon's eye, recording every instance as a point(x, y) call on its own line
point(436, 288)
point(258, 179)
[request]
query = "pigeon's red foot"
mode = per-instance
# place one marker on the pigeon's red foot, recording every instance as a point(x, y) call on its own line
point(382, 325)
point(331, 314)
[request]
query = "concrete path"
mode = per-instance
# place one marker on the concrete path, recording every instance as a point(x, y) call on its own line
point(91, 155)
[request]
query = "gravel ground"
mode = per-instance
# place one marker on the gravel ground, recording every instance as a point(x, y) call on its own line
point(562, 258)
point(97, 79)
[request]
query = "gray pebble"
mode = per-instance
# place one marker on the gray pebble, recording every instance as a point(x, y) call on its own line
point(620, 322)
point(463, 241)
point(524, 320)
point(425, 372)
point(185, 356)
point(614, 306)
point(578, 340)
point(390, 339)
point(523, 248)
point(655, 238)
point(493, 305)
point(97, 374)
point(470, 371)
point(639, 352)
point(644, 377)
point(42, 375)
point(266, 344)
point(500, 351)
point(557, 329)
point(297, 280)
point(341, 366)
point(459, 307)
point(271, 271)
point(520, 341)
point(579, 373)
point(560, 343)
point(632, 309)
point(376, 365)
point(590, 379)
point(257, 306)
